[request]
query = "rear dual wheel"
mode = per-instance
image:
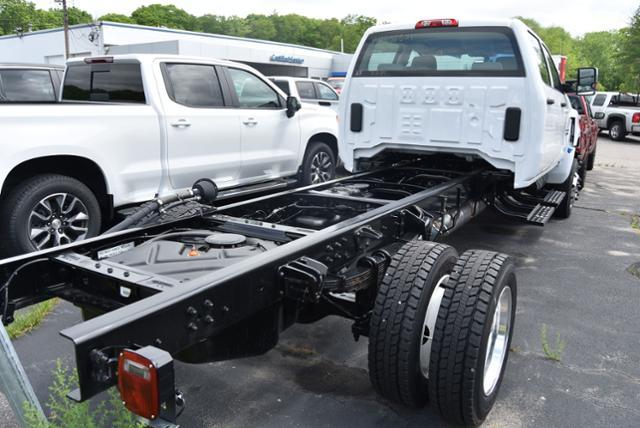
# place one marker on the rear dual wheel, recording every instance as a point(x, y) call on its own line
point(441, 329)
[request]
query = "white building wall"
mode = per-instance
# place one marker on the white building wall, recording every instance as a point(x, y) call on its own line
point(47, 46)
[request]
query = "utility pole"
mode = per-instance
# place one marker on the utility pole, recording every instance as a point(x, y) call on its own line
point(65, 17)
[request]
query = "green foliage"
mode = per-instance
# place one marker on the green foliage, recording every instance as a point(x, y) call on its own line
point(556, 352)
point(158, 15)
point(30, 318)
point(65, 413)
point(629, 55)
point(117, 17)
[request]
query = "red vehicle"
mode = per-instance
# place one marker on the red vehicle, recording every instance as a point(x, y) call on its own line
point(586, 150)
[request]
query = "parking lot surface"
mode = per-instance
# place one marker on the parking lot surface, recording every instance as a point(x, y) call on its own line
point(579, 277)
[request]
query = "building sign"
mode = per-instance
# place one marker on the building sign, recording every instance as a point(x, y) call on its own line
point(286, 58)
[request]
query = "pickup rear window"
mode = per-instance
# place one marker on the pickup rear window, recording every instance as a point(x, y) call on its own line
point(116, 83)
point(467, 51)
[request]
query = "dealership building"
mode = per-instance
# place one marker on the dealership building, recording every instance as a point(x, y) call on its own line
point(111, 38)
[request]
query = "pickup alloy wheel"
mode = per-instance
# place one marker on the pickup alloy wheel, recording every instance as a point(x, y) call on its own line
point(616, 131)
point(319, 164)
point(58, 219)
point(47, 211)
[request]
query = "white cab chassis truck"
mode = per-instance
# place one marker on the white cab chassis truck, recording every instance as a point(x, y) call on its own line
point(452, 113)
point(474, 89)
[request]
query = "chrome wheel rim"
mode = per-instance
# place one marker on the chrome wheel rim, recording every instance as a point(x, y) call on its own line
point(58, 219)
point(497, 343)
point(321, 166)
point(614, 131)
point(428, 325)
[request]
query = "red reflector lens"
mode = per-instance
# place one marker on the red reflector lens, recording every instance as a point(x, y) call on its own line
point(635, 118)
point(138, 384)
point(430, 23)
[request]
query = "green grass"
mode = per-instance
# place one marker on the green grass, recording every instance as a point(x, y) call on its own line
point(555, 353)
point(30, 318)
point(65, 413)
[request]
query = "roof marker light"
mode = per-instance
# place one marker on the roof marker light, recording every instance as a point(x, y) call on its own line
point(430, 23)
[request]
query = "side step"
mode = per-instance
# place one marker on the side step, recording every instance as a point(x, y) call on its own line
point(256, 188)
point(533, 209)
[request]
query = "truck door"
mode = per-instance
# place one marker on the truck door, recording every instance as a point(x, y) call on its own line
point(203, 131)
point(270, 140)
point(556, 109)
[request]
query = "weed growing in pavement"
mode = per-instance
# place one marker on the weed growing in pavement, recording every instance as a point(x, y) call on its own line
point(635, 222)
point(30, 318)
point(552, 354)
point(65, 413)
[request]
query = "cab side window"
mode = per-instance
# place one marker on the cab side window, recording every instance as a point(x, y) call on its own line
point(542, 63)
point(252, 92)
point(555, 77)
point(325, 93)
point(599, 100)
point(193, 85)
point(306, 91)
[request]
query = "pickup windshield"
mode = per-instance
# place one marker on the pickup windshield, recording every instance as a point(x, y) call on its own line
point(116, 83)
point(468, 51)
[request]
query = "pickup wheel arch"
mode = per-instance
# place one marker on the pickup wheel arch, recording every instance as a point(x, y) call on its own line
point(327, 138)
point(85, 170)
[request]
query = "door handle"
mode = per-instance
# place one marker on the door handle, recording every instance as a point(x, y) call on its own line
point(550, 101)
point(563, 104)
point(250, 122)
point(324, 103)
point(181, 123)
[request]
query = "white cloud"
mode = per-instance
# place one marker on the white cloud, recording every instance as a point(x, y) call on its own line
point(575, 16)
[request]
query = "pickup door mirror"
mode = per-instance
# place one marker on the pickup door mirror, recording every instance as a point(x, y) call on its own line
point(587, 81)
point(293, 105)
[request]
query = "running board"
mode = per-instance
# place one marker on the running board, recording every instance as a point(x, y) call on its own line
point(532, 209)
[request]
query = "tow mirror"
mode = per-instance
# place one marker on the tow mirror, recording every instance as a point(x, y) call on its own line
point(587, 81)
point(293, 105)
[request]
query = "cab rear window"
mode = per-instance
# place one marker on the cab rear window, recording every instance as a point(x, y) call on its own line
point(116, 83)
point(467, 51)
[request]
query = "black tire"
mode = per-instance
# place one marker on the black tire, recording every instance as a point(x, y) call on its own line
point(318, 151)
point(591, 160)
point(462, 335)
point(23, 199)
point(571, 190)
point(617, 131)
point(397, 323)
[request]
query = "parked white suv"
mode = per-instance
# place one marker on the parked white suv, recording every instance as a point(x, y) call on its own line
point(132, 127)
point(477, 89)
point(308, 91)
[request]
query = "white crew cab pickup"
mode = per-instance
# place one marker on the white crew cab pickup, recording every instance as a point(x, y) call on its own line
point(477, 89)
point(131, 127)
point(619, 113)
point(308, 91)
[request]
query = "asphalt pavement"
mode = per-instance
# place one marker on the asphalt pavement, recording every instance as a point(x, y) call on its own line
point(580, 277)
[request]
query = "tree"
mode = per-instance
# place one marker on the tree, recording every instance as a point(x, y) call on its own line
point(601, 49)
point(260, 27)
point(117, 17)
point(17, 14)
point(157, 15)
point(629, 55)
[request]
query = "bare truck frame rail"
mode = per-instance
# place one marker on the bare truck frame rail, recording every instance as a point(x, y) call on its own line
point(224, 283)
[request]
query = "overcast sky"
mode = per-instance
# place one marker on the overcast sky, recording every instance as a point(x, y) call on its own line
point(577, 16)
